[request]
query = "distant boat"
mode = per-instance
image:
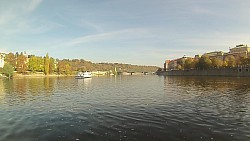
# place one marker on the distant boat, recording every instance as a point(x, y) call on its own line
point(81, 75)
point(87, 74)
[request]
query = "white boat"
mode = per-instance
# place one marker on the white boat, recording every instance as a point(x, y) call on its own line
point(87, 74)
point(81, 75)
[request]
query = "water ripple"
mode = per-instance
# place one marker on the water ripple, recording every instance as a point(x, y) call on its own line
point(125, 108)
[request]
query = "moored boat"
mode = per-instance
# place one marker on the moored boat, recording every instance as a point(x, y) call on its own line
point(87, 74)
point(81, 75)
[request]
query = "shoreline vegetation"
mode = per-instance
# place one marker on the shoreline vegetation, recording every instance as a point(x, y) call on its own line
point(22, 65)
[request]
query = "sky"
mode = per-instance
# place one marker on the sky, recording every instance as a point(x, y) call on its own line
point(142, 32)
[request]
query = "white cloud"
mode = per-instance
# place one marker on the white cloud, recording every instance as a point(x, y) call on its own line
point(14, 11)
point(126, 33)
point(33, 5)
point(91, 25)
point(16, 18)
point(7, 15)
point(204, 11)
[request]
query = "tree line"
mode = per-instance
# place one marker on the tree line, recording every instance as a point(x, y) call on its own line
point(30, 64)
point(206, 62)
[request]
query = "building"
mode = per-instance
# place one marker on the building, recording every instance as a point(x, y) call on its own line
point(215, 55)
point(197, 57)
point(2, 56)
point(175, 64)
point(166, 65)
point(172, 64)
point(240, 51)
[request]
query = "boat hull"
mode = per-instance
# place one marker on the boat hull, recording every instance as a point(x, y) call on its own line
point(83, 75)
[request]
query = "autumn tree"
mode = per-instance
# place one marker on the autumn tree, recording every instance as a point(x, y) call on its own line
point(22, 63)
point(180, 63)
point(217, 63)
point(189, 63)
point(243, 61)
point(68, 70)
point(11, 59)
point(230, 61)
point(64, 67)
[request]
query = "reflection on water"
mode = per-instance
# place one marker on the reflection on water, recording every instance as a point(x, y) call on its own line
point(125, 108)
point(2, 91)
point(223, 102)
point(18, 90)
point(84, 82)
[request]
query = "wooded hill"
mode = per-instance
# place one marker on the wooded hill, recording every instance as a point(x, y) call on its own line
point(31, 64)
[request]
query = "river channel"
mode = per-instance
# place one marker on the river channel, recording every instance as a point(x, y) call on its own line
point(144, 108)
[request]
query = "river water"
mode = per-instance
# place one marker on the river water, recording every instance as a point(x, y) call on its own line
point(146, 108)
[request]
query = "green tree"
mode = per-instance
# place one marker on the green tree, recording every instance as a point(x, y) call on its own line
point(8, 70)
point(46, 64)
point(33, 63)
point(36, 64)
point(51, 65)
point(40, 64)
point(204, 62)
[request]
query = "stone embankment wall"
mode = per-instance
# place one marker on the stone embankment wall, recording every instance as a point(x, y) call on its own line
point(236, 72)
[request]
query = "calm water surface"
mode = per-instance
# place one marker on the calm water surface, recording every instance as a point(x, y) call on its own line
point(142, 108)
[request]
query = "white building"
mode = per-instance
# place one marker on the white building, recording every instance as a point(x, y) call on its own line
point(2, 60)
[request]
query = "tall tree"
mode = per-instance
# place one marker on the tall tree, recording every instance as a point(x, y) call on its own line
point(46, 64)
point(21, 63)
point(51, 65)
point(33, 64)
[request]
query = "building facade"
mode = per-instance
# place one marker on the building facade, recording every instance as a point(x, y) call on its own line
point(240, 51)
point(215, 55)
point(2, 56)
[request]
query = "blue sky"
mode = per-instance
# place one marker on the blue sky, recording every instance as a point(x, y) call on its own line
point(144, 32)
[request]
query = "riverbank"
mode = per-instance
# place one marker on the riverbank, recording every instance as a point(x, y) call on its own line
point(232, 72)
point(38, 75)
point(35, 75)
